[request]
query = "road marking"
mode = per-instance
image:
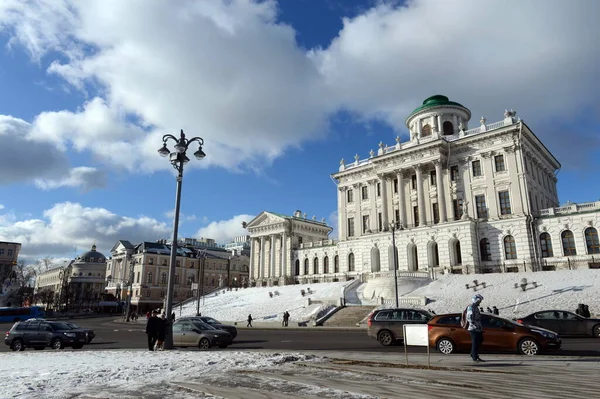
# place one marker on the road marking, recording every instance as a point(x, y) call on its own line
point(289, 340)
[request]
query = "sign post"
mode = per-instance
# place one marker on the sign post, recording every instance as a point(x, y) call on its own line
point(416, 335)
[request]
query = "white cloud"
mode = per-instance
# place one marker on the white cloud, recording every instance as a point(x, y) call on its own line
point(224, 230)
point(85, 177)
point(1, 206)
point(68, 224)
point(182, 216)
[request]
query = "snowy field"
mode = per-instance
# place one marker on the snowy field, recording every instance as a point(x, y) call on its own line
point(132, 374)
point(235, 306)
point(555, 290)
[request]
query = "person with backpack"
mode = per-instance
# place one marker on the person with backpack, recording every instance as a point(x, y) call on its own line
point(471, 320)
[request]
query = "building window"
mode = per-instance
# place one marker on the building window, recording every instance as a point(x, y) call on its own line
point(351, 262)
point(454, 172)
point(380, 221)
point(379, 189)
point(416, 215)
point(350, 227)
point(149, 278)
point(336, 264)
point(568, 242)
point(480, 206)
point(499, 162)
point(476, 166)
point(10, 252)
point(191, 265)
point(458, 210)
point(426, 131)
point(150, 261)
point(176, 278)
point(484, 247)
point(163, 278)
point(504, 203)
point(1, 251)
point(138, 278)
point(413, 182)
point(326, 264)
point(148, 293)
point(306, 266)
point(436, 213)
point(364, 193)
point(510, 248)
point(432, 179)
point(546, 244)
point(177, 264)
point(448, 128)
point(350, 195)
point(591, 241)
point(365, 223)
point(396, 185)
point(316, 266)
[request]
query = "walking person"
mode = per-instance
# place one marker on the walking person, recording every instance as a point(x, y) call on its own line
point(286, 318)
point(162, 332)
point(474, 327)
point(249, 321)
point(153, 327)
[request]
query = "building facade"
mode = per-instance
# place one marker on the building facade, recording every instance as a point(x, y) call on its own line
point(142, 270)
point(9, 255)
point(461, 201)
point(239, 245)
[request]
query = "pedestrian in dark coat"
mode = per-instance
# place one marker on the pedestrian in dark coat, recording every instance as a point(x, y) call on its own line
point(153, 327)
point(249, 321)
point(162, 332)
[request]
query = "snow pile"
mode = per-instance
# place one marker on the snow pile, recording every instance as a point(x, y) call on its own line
point(552, 290)
point(111, 374)
point(234, 306)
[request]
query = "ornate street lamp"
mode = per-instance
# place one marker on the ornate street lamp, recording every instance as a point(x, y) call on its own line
point(201, 255)
point(178, 159)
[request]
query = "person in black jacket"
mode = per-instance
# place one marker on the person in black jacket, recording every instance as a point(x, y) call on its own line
point(162, 332)
point(153, 327)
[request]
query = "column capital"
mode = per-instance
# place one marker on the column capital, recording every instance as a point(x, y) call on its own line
point(510, 148)
point(356, 185)
point(343, 188)
point(486, 154)
point(418, 167)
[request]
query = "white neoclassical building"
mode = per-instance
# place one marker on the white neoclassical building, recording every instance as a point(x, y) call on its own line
point(463, 200)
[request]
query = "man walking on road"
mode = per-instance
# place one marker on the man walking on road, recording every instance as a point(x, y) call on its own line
point(153, 327)
point(475, 328)
point(249, 321)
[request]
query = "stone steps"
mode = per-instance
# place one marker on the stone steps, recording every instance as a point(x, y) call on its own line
point(349, 316)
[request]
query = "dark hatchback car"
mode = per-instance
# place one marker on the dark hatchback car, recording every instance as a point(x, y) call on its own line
point(188, 332)
point(499, 335)
point(563, 322)
point(214, 323)
point(385, 325)
point(42, 334)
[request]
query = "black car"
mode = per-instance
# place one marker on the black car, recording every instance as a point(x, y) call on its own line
point(89, 333)
point(563, 322)
point(214, 323)
point(42, 334)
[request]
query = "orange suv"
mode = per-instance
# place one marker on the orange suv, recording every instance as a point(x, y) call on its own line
point(499, 335)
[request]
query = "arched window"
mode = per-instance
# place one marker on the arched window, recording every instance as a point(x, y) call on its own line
point(163, 278)
point(568, 243)
point(316, 265)
point(484, 248)
point(448, 128)
point(176, 278)
point(510, 248)
point(336, 264)
point(375, 262)
point(351, 262)
point(591, 241)
point(149, 278)
point(297, 268)
point(546, 245)
point(392, 251)
point(426, 131)
point(433, 254)
point(326, 264)
point(306, 266)
point(455, 253)
point(413, 259)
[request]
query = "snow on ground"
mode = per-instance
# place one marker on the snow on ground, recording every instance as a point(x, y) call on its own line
point(234, 306)
point(128, 374)
point(562, 290)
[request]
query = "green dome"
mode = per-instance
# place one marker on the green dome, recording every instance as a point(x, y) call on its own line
point(436, 101)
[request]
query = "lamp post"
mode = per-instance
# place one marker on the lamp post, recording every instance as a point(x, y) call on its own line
point(200, 256)
point(178, 159)
point(130, 289)
point(393, 227)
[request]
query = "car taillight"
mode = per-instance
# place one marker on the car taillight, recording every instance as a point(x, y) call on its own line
point(370, 320)
point(520, 321)
point(429, 327)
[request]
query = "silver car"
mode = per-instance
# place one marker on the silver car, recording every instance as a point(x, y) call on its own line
point(188, 333)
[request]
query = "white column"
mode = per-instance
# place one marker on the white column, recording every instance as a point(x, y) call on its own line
point(421, 196)
point(358, 216)
point(373, 202)
point(419, 127)
point(455, 123)
point(439, 123)
point(272, 261)
point(252, 249)
point(283, 268)
point(342, 213)
point(401, 199)
point(384, 202)
point(440, 191)
point(261, 254)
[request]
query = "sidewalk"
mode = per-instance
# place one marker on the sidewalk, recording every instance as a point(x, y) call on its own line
point(377, 375)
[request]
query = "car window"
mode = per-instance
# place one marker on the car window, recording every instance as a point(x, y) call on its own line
point(384, 315)
point(60, 326)
point(417, 316)
point(491, 322)
point(210, 320)
point(451, 320)
point(203, 326)
point(547, 316)
point(177, 327)
point(569, 316)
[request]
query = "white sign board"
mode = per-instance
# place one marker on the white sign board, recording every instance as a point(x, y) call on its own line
point(416, 335)
point(194, 286)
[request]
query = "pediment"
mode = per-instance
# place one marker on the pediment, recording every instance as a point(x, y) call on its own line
point(265, 219)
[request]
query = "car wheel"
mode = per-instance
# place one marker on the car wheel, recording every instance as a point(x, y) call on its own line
point(529, 347)
point(17, 345)
point(77, 346)
point(204, 344)
point(446, 346)
point(596, 331)
point(57, 344)
point(385, 338)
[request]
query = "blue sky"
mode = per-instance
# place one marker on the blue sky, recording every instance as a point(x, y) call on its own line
point(280, 91)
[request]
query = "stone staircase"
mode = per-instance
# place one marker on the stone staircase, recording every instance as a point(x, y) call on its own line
point(349, 316)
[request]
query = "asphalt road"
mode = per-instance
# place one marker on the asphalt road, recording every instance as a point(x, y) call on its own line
point(111, 335)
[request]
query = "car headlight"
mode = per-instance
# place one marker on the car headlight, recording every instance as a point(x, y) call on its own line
point(70, 335)
point(545, 334)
